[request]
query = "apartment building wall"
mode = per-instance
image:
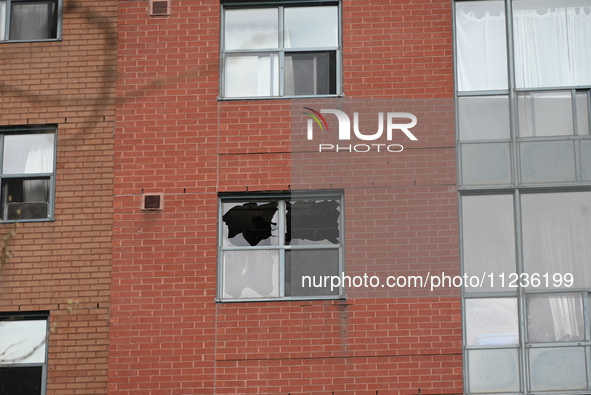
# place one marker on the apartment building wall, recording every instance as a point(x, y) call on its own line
point(63, 266)
point(174, 137)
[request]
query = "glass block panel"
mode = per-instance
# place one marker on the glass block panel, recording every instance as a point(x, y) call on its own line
point(586, 160)
point(250, 274)
point(488, 238)
point(493, 370)
point(484, 117)
point(481, 45)
point(556, 234)
point(311, 27)
point(582, 113)
point(310, 73)
point(23, 341)
point(550, 40)
point(251, 29)
point(486, 164)
point(558, 369)
point(250, 224)
point(545, 114)
point(251, 75)
point(547, 161)
point(555, 318)
point(305, 272)
point(491, 322)
point(313, 222)
point(21, 380)
point(28, 153)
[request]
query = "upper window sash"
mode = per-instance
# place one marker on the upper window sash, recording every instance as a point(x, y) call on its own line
point(281, 51)
point(548, 40)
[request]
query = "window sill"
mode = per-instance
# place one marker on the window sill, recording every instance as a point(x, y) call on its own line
point(30, 41)
point(20, 221)
point(278, 97)
point(299, 299)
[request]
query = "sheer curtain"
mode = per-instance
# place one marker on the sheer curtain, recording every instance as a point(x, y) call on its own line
point(567, 318)
point(39, 160)
point(481, 45)
point(551, 44)
point(557, 230)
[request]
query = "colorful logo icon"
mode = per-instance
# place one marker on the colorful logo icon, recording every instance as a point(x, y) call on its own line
point(316, 116)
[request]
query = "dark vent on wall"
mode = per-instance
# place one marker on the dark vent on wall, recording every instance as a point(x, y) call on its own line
point(152, 201)
point(159, 7)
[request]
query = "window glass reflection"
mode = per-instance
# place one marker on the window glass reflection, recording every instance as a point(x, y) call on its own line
point(251, 29)
point(555, 318)
point(491, 322)
point(488, 236)
point(28, 153)
point(311, 27)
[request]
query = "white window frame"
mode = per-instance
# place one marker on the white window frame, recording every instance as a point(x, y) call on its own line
point(279, 53)
point(282, 247)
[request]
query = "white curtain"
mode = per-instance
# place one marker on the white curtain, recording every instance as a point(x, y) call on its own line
point(552, 46)
point(566, 317)
point(481, 46)
point(39, 160)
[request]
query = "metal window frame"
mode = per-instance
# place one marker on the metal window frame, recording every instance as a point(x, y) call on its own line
point(22, 130)
point(29, 316)
point(281, 50)
point(58, 18)
point(521, 295)
point(516, 189)
point(281, 198)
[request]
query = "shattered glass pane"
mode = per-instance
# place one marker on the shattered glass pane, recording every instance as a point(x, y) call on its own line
point(312, 222)
point(250, 224)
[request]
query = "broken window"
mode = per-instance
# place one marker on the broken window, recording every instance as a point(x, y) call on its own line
point(275, 246)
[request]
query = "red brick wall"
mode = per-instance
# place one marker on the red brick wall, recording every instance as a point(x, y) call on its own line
point(168, 336)
point(66, 264)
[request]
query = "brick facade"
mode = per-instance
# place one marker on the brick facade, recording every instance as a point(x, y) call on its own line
point(64, 266)
point(168, 335)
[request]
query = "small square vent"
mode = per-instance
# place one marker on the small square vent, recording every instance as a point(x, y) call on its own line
point(159, 7)
point(152, 202)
